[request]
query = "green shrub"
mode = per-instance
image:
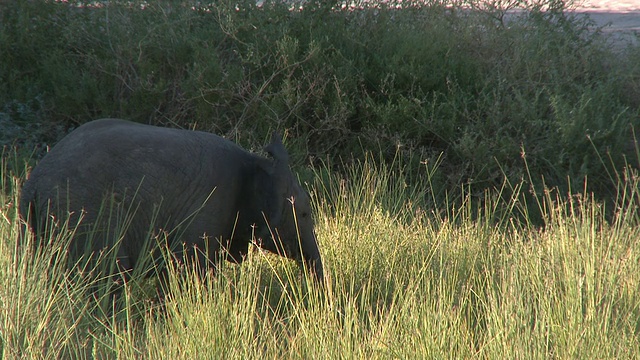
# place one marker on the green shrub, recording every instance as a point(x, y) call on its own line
point(473, 90)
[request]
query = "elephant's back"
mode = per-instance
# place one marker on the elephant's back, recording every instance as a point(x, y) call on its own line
point(116, 154)
point(115, 135)
point(114, 146)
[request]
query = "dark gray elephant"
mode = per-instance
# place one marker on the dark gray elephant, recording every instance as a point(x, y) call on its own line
point(209, 194)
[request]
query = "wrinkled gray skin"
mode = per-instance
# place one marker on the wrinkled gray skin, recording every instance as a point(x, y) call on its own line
point(207, 191)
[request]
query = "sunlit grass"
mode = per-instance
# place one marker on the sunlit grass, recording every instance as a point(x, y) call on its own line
point(403, 281)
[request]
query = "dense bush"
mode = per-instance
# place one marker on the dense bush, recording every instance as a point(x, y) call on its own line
point(478, 92)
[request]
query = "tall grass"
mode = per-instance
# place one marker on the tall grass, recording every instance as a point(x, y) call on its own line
point(403, 281)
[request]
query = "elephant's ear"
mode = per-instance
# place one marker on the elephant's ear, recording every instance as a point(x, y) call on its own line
point(279, 178)
point(278, 152)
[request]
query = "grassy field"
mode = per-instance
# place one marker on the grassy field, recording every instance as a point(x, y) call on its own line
point(403, 281)
point(472, 233)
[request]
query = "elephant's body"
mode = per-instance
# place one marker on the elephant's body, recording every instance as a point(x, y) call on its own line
point(206, 191)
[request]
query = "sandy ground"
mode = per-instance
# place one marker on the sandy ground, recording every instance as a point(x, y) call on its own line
point(618, 6)
point(619, 18)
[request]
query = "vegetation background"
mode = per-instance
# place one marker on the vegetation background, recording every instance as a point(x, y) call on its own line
point(473, 169)
point(471, 90)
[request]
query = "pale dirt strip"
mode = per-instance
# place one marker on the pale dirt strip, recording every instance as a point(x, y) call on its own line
point(617, 6)
point(619, 18)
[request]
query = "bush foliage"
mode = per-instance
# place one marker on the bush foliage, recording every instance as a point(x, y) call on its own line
point(490, 94)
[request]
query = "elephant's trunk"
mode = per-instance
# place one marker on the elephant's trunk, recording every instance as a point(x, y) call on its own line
point(312, 260)
point(315, 268)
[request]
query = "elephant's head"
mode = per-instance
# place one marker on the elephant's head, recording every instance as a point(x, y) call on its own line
point(289, 214)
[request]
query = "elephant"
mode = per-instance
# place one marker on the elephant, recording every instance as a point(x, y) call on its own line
point(207, 193)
